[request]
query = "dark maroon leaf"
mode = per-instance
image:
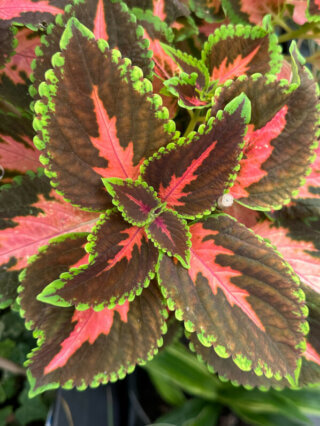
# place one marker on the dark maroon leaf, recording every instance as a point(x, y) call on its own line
point(240, 297)
point(232, 51)
point(134, 199)
point(78, 348)
point(191, 175)
point(122, 263)
point(31, 213)
point(281, 141)
point(85, 132)
point(171, 234)
point(107, 19)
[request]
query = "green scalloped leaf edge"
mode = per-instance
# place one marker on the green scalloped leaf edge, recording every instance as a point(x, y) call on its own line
point(39, 335)
point(246, 31)
point(14, 44)
point(48, 294)
point(210, 340)
point(184, 79)
point(310, 17)
point(184, 262)
point(287, 88)
point(224, 379)
point(161, 26)
point(194, 136)
point(120, 207)
point(48, 90)
point(60, 21)
point(189, 60)
point(231, 14)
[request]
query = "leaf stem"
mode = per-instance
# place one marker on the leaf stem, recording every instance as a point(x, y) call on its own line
point(7, 365)
point(194, 118)
point(300, 33)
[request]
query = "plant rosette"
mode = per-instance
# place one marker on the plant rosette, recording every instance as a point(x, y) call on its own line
point(133, 223)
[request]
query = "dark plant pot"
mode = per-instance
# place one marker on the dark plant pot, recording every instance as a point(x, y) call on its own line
point(129, 402)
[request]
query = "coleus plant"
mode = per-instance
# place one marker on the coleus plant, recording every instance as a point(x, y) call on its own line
point(96, 294)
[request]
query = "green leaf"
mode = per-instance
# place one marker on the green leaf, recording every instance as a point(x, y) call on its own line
point(179, 366)
point(194, 412)
point(169, 392)
point(30, 409)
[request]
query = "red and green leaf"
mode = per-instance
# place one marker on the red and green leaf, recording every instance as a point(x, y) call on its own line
point(7, 45)
point(239, 296)
point(189, 65)
point(251, 11)
point(313, 11)
point(232, 51)
point(191, 175)
point(310, 367)
point(134, 199)
point(280, 143)
point(107, 19)
point(166, 10)
point(295, 246)
point(157, 31)
point(228, 370)
point(185, 89)
point(206, 9)
point(310, 370)
point(18, 69)
point(17, 157)
point(171, 234)
point(121, 264)
point(37, 13)
point(31, 214)
point(310, 189)
point(85, 132)
point(80, 349)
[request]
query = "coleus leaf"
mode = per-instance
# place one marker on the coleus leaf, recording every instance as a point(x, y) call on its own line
point(228, 370)
point(205, 9)
point(313, 11)
point(140, 206)
point(157, 31)
point(310, 367)
point(86, 134)
point(107, 19)
point(185, 89)
point(166, 10)
point(31, 214)
point(18, 69)
point(310, 189)
point(191, 175)
point(121, 264)
point(134, 199)
point(171, 234)
point(17, 157)
point(7, 44)
point(293, 242)
point(239, 296)
point(310, 370)
point(232, 51)
point(80, 349)
point(189, 65)
point(284, 129)
point(35, 13)
point(250, 10)
point(17, 152)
